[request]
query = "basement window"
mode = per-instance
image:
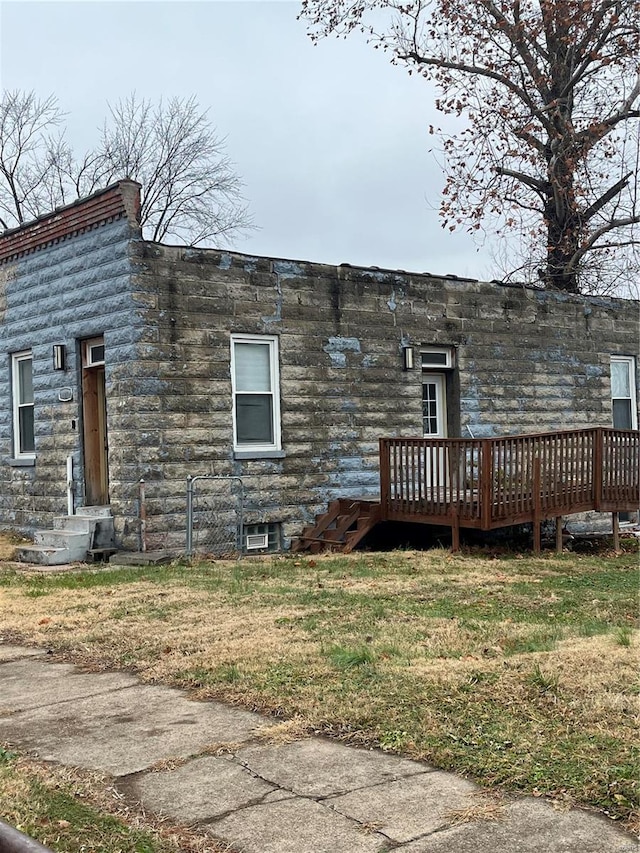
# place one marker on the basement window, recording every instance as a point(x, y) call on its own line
point(261, 538)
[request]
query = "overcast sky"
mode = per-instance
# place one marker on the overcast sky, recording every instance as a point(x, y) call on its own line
point(331, 141)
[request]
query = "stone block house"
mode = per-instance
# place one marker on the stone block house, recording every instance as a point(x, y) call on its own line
point(124, 360)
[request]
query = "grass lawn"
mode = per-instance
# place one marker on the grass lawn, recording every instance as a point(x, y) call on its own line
point(520, 672)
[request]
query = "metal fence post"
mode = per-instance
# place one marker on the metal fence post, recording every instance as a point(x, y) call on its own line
point(189, 548)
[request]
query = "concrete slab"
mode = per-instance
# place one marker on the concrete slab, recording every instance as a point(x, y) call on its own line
point(319, 768)
point(142, 558)
point(294, 826)
point(126, 731)
point(28, 683)
point(17, 652)
point(406, 809)
point(201, 790)
point(530, 826)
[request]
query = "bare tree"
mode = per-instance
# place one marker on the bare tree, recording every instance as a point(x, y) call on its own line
point(550, 91)
point(190, 190)
point(29, 151)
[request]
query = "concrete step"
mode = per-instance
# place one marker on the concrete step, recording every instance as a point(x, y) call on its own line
point(43, 556)
point(62, 539)
point(94, 511)
point(69, 545)
point(77, 523)
point(100, 527)
point(73, 538)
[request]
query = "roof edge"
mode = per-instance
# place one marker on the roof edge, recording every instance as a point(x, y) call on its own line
point(117, 201)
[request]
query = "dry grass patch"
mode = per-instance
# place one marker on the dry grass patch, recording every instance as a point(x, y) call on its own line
point(289, 731)
point(485, 808)
point(519, 672)
point(8, 543)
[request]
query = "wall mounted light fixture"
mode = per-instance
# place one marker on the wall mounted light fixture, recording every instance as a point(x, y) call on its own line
point(59, 357)
point(407, 358)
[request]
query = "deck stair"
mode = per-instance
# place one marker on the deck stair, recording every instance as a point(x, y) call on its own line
point(345, 523)
point(74, 538)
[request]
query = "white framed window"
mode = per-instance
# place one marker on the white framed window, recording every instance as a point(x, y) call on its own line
point(93, 352)
point(256, 396)
point(23, 406)
point(437, 357)
point(623, 392)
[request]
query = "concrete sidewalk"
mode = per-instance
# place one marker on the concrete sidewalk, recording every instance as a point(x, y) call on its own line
point(210, 766)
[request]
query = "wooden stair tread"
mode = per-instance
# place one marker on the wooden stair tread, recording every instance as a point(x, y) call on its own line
point(345, 523)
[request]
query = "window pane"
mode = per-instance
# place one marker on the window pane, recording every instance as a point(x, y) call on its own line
point(434, 358)
point(252, 367)
point(254, 419)
point(428, 391)
point(25, 422)
point(25, 381)
point(622, 414)
point(97, 353)
point(620, 379)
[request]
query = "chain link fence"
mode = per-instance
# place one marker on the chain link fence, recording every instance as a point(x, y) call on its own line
point(215, 515)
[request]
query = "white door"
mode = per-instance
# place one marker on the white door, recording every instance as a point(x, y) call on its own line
point(624, 413)
point(434, 425)
point(434, 414)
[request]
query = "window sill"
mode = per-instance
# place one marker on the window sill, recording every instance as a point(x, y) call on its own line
point(259, 454)
point(26, 462)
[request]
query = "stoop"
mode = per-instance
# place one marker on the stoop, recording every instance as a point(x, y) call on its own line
point(72, 538)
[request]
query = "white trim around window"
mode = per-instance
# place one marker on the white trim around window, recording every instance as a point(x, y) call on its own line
point(623, 392)
point(23, 405)
point(255, 385)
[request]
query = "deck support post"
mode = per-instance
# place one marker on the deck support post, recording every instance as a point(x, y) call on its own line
point(615, 523)
point(455, 528)
point(559, 535)
point(537, 509)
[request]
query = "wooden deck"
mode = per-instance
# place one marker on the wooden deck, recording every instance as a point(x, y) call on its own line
point(498, 482)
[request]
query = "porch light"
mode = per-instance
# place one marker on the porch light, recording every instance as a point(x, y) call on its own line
point(59, 356)
point(407, 358)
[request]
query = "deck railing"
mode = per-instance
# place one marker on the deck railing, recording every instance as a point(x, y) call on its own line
point(496, 482)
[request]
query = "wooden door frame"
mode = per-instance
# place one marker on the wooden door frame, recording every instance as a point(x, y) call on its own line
point(94, 429)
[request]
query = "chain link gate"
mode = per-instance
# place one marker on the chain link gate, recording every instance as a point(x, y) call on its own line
point(215, 515)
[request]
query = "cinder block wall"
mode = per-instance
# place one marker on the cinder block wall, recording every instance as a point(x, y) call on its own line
point(527, 361)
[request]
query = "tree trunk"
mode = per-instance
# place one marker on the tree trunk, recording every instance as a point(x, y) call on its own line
point(562, 244)
point(563, 222)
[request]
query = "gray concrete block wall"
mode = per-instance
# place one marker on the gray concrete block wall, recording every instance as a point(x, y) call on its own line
point(527, 361)
point(77, 288)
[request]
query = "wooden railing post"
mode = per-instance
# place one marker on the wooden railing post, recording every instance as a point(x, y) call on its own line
point(486, 484)
point(598, 467)
point(537, 507)
point(385, 480)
